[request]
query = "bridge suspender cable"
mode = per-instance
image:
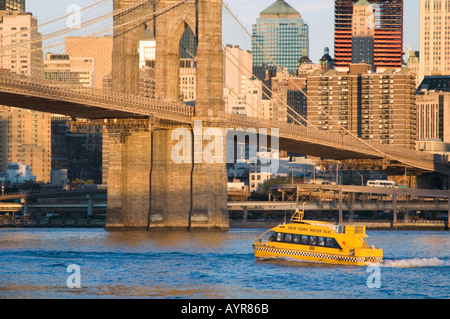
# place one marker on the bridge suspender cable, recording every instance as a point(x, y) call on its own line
point(113, 14)
point(68, 30)
point(326, 113)
point(14, 34)
point(268, 89)
point(147, 17)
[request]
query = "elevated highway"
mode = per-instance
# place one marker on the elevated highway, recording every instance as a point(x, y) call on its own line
point(340, 198)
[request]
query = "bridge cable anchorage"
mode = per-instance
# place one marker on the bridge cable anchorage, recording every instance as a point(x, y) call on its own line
point(376, 149)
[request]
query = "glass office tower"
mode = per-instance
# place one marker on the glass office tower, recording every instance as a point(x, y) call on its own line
point(282, 34)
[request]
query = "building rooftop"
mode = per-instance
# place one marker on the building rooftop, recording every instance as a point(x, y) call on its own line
point(435, 82)
point(148, 35)
point(363, 3)
point(326, 55)
point(280, 9)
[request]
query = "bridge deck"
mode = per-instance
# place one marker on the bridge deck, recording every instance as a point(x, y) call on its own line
point(41, 95)
point(54, 97)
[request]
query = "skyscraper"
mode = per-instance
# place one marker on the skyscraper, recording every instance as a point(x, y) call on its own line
point(433, 116)
point(380, 20)
point(434, 54)
point(20, 44)
point(24, 134)
point(242, 93)
point(378, 107)
point(362, 33)
point(25, 139)
point(282, 35)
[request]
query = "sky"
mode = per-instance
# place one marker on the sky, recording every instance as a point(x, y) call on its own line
point(318, 14)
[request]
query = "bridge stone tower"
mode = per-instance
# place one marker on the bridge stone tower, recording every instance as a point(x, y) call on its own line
point(146, 188)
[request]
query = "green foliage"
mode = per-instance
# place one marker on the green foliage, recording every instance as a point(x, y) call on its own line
point(274, 181)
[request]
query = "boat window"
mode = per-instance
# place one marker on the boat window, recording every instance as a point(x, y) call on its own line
point(331, 242)
point(280, 236)
point(320, 241)
point(273, 237)
point(287, 238)
point(304, 239)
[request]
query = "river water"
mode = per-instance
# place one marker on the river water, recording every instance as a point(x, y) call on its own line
point(202, 265)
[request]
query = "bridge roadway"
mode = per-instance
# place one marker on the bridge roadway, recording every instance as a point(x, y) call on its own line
point(56, 193)
point(334, 206)
point(15, 207)
point(26, 200)
point(323, 197)
point(42, 95)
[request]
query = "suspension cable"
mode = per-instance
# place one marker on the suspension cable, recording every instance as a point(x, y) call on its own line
point(308, 98)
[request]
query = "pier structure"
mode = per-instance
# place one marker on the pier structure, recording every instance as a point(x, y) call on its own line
point(349, 199)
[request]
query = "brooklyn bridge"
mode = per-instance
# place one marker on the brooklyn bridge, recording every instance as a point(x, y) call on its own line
point(146, 188)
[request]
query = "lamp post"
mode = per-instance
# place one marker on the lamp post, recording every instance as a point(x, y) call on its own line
point(362, 178)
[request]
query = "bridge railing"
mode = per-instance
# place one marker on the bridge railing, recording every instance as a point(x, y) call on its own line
point(333, 139)
point(179, 112)
point(290, 130)
point(168, 110)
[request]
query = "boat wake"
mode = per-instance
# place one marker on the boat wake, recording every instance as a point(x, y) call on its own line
point(416, 262)
point(391, 263)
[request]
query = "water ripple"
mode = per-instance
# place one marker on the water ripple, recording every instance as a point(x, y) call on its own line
point(209, 265)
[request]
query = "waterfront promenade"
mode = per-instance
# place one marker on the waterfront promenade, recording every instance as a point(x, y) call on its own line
point(234, 223)
point(375, 207)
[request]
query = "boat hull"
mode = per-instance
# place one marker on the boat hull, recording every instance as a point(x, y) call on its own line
point(263, 251)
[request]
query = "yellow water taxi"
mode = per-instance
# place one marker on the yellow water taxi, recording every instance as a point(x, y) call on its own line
point(316, 241)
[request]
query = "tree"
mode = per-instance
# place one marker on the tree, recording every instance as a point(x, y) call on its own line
point(274, 181)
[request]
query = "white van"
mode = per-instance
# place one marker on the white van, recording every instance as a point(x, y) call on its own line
point(381, 183)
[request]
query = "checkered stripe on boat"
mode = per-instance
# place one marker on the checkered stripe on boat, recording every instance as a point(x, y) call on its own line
point(314, 255)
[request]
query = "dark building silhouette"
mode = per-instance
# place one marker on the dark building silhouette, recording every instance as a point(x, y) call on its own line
point(79, 153)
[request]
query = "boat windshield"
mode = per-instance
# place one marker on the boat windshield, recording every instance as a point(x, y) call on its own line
point(266, 236)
